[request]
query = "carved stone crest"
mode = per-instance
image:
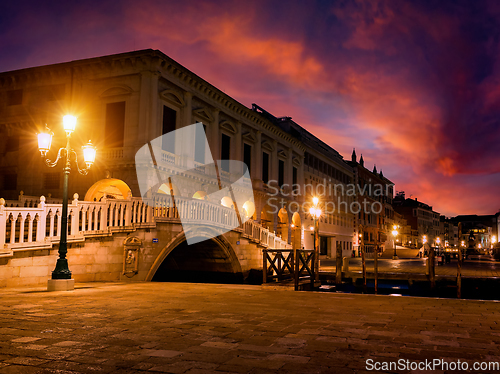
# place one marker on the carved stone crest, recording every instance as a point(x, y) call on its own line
point(131, 250)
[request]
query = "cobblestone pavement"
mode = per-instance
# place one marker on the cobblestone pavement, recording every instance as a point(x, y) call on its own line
point(208, 328)
point(470, 268)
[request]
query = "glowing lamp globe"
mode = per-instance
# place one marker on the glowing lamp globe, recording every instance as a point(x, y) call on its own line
point(318, 213)
point(44, 141)
point(69, 123)
point(89, 152)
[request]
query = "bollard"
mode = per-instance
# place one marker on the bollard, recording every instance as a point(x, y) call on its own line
point(345, 264)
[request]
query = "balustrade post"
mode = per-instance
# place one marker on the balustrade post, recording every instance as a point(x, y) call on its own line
point(13, 230)
point(41, 226)
point(104, 217)
point(84, 219)
point(117, 216)
point(128, 207)
point(21, 229)
point(30, 228)
point(58, 228)
point(90, 218)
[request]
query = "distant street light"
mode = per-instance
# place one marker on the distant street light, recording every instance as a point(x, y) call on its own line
point(395, 234)
point(316, 214)
point(62, 272)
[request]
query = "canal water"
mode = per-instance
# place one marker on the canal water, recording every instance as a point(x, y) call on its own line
point(472, 288)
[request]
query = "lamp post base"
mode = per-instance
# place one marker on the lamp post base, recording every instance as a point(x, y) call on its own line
point(395, 257)
point(61, 285)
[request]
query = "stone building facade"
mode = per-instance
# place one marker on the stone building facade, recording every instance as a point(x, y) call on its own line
point(125, 101)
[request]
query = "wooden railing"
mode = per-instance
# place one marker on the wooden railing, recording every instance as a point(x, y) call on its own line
point(287, 264)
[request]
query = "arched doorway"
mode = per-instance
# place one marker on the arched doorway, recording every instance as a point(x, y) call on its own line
point(165, 189)
point(249, 208)
point(109, 188)
point(200, 195)
point(296, 231)
point(283, 224)
point(209, 261)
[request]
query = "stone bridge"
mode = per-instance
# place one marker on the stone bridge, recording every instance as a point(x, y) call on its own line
point(130, 239)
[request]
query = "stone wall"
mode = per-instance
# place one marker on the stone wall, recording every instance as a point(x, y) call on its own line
point(102, 258)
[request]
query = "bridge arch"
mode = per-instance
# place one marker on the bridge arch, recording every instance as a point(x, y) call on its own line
point(213, 258)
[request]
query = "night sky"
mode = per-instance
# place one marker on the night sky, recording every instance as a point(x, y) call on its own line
point(413, 86)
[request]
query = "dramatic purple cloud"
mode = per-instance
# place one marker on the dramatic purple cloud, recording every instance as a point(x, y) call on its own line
point(414, 86)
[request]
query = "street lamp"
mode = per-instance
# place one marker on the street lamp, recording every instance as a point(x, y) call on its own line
point(316, 213)
point(61, 271)
point(395, 234)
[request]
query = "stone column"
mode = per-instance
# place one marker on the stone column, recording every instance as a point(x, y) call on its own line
point(289, 170)
point(214, 135)
point(257, 170)
point(237, 153)
point(186, 119)
point(148, 126)
point(273, 162)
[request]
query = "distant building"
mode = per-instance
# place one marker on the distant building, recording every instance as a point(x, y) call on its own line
point(124, 101)
point(423, 220)
point(373, 225)
point(482, 227)
point(448, 232)
point(327, 176)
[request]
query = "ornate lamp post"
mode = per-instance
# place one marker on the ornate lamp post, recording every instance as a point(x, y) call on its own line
point(61, 272)
point(316, 213)
point(395, 234)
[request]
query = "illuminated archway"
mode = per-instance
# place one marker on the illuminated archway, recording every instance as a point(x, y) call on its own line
point(165, 189)
point(110, 188)
point(200, 195)
point(249, 207)
point(227, 202)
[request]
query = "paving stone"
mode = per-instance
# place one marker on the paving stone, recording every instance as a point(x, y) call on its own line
point(196, 328)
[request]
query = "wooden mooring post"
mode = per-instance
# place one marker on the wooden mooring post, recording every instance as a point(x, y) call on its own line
point(375, 268)
point(459, 263)
point(338, 271)
point(432, 268)
point(363, 262)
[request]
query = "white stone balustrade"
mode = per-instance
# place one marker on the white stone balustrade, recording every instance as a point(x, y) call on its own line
point(28, 228)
